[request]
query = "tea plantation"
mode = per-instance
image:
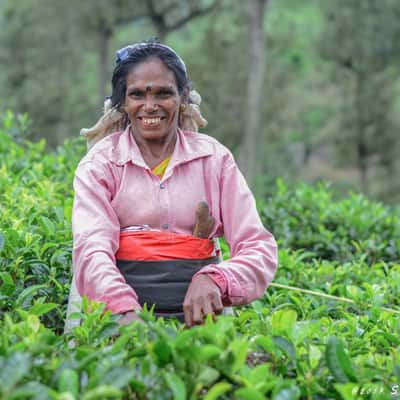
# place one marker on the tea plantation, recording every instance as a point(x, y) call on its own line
point(298, 342)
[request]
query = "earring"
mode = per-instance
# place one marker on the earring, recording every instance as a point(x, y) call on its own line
point(182, 107)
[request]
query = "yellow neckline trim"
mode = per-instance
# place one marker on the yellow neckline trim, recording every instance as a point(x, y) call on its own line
point(160, 168)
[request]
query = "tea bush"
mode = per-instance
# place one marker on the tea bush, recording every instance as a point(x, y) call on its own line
point(290, 344)
point(35, 214)
point(309, 217)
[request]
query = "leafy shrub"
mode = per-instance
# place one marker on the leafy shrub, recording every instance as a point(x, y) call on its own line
point(307, 217)
point(290, 344)
point(17, 126)
point(35, 214)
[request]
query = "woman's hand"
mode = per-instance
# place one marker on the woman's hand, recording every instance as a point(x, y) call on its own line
point(203, 297)
point(128, 317)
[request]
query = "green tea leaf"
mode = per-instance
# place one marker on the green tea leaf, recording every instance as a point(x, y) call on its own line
point(392, 338)
point(13, 369)
point(26, 295)
point(217, 390)
point(40, 309)
point(8, 286)
point(288, 393)
point(177, 386)
point(286, 347)
point(185, 338)
point(259, 374)
point(35, 391)
point(48, 226)
point(33, 323)
point(65, 396)
point(108, 330)
point(162, 351)
point(348, 391)
point(69, 382)
point(118, 377)
point(314, 356)
point(102, 392)
point(338, 361)
point(239, 349)
point(59, 212)
point(249, 394)
point(208, 375)
point(283, 322)
point(266, 343)
point(120, 344)
point(208, 351)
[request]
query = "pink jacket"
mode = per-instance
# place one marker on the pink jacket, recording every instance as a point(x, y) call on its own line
point(114, 189)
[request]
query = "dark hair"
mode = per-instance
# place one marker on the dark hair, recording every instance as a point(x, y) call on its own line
point(128, 57)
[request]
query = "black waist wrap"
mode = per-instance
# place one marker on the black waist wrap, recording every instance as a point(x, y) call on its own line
point(162, 283)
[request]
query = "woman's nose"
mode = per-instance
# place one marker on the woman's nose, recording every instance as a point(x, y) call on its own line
point(150, 105)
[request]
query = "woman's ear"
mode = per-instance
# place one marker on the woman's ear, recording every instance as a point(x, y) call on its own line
point(185, 96)
point(121, 107)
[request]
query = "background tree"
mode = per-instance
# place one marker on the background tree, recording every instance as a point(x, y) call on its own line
point(255, 88)
point(100, 19)
point(63, 44)
point(326, 112)
point(365, 66)
point(42, 68)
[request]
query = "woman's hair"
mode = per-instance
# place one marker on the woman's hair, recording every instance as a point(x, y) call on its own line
point(130, 56)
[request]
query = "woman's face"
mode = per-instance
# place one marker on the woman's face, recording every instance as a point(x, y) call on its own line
point(152, 100)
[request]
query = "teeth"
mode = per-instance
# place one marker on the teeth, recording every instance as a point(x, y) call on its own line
point(150, 121)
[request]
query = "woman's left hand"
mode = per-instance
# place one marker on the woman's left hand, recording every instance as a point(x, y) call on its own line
point(128, 317)
point(203, 297)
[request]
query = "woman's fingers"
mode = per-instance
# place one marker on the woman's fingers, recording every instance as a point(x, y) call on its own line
point(202, 298)
point(198, 311)
point(187, 311)
point(128, 317)
point(208, 308)
point(217, 304)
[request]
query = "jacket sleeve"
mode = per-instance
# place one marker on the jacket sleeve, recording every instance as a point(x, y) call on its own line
point(254, 258)
point(96, 228)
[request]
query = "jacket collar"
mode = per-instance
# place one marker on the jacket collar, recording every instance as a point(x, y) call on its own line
point(188, 147)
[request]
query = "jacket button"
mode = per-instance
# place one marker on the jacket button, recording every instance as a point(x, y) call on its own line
point(164, 226)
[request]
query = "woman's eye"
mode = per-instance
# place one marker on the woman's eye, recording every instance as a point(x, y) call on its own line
point(136, 93)
point(165, 93)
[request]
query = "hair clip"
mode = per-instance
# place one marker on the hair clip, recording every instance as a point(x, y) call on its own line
point(123, 53)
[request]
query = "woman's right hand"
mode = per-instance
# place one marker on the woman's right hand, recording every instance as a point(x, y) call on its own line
point(128, 317)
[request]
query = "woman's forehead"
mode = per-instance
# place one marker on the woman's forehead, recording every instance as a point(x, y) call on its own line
point(151, 72)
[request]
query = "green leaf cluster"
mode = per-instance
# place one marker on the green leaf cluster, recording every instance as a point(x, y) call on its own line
point(311, 218)
point(286, 345)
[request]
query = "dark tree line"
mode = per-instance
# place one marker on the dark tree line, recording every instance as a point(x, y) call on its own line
point(299, 89)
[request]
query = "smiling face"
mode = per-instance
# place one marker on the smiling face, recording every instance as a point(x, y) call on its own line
point(152, 101)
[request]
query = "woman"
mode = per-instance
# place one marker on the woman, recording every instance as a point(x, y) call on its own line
point(141, 186)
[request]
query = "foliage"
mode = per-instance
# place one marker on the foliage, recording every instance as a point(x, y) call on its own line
point(306, 217)
point(286, 345)
point(17, 126)
point(327, 111)
point(42, 45)
point(63, 57)
point(35, 211)
point(365, 69)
